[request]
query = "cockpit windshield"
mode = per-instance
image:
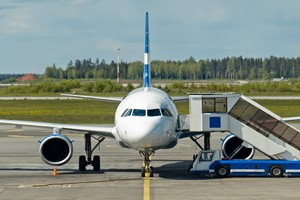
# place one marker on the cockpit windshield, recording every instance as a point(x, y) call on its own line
point(139, 112)
point(166, 112)
point(150, 112)
point(123, 114)
point(153, 112)
point(126, 113)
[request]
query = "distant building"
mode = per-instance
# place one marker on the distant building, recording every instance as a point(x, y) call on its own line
point(278, 79)
point(27, 77)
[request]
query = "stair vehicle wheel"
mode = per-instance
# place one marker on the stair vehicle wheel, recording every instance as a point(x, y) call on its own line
point(82, 163)
point(276, 171)
point(222, 171)
point(96, 163)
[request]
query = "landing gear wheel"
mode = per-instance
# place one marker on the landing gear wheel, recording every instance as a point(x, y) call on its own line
point(222, 171)
point(96, 163)
point(87, 160)
point(146, 167)
point(82, 163)
point(151, 171)
point(276, 171)
point(143, 172)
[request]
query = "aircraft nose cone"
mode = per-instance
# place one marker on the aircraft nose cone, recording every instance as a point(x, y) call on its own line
point(139, 133)
point(143, 133)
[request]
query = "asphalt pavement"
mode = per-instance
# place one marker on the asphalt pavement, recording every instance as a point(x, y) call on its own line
point(23, 175)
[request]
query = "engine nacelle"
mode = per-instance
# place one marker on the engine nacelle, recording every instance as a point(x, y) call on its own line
point(56, 149)
point(122, 144)
point(171, 144)
point(235, 148)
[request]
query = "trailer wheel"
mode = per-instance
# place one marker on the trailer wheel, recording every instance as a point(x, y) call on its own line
point(222, 171)
point(276, 171)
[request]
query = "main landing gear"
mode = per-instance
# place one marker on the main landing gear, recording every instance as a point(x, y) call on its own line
point(147, 168)
point(84, 161)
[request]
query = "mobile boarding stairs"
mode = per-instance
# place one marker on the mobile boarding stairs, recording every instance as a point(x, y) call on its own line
point(245, 119)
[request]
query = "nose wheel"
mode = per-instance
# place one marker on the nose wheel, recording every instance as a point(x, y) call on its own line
point(147, 169)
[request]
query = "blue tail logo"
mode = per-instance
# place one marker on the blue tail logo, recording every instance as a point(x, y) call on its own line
point(147, 70)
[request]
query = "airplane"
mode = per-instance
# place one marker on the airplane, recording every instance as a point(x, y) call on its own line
point(145, 120)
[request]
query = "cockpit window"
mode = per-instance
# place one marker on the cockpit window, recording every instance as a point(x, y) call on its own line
point(123, 114)
point(138, 112)
point(150, 113)
point(166, 112)
point(127, 112)
point(153, 112)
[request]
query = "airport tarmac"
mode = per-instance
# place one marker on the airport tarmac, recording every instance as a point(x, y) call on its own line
point(23, 175)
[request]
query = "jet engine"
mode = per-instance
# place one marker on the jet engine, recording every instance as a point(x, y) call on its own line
point(235, 148)
point(171, 144)
point(56, 149)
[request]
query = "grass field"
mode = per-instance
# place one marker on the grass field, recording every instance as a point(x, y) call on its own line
point(89, 111)
point(283, 108)
point(62, 111)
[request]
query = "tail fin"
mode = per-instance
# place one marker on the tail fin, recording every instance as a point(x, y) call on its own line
point(147, 69)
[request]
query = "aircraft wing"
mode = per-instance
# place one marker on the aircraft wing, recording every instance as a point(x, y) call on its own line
point(180, 99)
point(103, 130)
point(289, 119)
point(107, 99)
point(117, 99)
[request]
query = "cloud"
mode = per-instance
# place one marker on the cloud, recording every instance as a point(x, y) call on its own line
point(40, 32)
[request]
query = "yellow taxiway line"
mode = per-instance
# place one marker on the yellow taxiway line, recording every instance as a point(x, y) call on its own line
point(147, 187)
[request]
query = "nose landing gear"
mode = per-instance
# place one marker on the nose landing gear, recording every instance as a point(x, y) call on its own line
point(147, 169)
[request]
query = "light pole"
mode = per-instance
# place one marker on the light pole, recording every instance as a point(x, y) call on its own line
point(118, 66)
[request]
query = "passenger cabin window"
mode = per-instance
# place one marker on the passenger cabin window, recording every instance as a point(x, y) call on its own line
point(138, 112)
point(214, 105)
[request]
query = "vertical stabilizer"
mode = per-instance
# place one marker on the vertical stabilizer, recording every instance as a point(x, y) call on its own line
point(147, 70)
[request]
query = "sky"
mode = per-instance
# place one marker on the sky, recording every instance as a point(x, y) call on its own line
point(35, 34)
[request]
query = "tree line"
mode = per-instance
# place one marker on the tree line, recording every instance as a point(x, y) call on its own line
point(109, 86)
point(189, 69)
point(9, 78)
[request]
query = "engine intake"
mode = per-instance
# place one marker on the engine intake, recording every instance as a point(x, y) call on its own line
point(235, 148)
point(56, 149)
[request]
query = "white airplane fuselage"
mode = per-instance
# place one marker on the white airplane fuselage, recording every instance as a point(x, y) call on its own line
point(146, 119)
